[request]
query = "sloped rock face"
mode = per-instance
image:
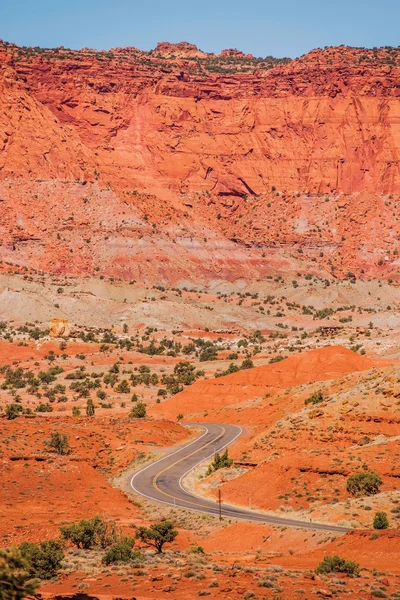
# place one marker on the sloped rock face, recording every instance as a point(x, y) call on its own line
point(215, 166)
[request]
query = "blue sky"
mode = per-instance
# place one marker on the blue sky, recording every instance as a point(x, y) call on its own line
point(262, 27)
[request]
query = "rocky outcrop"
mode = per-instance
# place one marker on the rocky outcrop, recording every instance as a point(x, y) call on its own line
point(59, 328)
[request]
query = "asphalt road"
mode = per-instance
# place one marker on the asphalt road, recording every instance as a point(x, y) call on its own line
point(162, 480)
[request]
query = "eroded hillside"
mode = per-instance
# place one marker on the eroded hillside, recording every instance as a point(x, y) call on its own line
point(175, 164)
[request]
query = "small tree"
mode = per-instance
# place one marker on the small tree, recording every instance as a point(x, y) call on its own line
point(15, 580)
point(157, 534)
point(82, 534)
point(221, 461)
point(90, 408)
point(247, 363)
point(336, 564)
point(380, 521)
point(76, 411)
point(58, 443)
point(88, 533)
point(364, 484)
point(138, 411)
point(120, 552)
point(45, 559)
point(123, 387)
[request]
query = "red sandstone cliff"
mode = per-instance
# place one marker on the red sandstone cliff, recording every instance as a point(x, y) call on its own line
point(178, 165)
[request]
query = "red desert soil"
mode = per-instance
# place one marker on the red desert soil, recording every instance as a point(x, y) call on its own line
point(41, 490)
point(240, 571)
point(167, 169)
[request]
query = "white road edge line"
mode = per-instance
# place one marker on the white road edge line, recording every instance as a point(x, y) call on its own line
point(164, 458)
point(202, 460)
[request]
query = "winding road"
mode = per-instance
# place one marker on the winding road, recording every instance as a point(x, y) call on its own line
point(162, 480)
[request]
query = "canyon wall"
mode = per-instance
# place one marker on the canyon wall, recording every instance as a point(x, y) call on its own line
point(177, 165)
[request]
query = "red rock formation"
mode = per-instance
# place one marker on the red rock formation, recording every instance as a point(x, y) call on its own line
point(233, 53)
point(180, 50)
point(177, 168)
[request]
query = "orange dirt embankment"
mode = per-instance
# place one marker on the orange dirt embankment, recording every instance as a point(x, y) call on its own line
point(169, 171)
point(253, 384)
point(378, 550)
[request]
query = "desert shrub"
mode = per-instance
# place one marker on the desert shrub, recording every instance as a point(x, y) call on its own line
point(120, 552)
point(337, 564)
point(196, 550)
point(380, 521)
point(209, 352)
point(323, 313)
point(58, 443)
point(13, 410)
point(185, 372)
point(123, 387)
point(88, 533)
point(90, 408)
point(15, 578)
point(157, 534)
point(138, 411)
point(315, 398)
point(44, 407)
point(364, 483)
point(44, 559)
point(276, 359)
point(247, 363)
point(378, 594)
point(220, 461)
point(231, 369)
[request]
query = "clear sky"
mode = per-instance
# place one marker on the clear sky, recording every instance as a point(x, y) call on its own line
point(261, 27)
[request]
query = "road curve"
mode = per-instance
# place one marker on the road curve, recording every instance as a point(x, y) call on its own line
point(162, 480)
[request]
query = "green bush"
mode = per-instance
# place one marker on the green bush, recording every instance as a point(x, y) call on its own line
point(44, 559)
point(44, 407)
point(13, 410)
point(59, 443)
point(15, 578)
point(157, 534)
point(221, 461)
point(196, 550)
point(123, 387)
point(315, 398)
point(90, 408)
point(247, 363)
point(120, 552)
point(336, 564)
point(378, 594)
point(88, 533)
point(364, 483)
point(380, 521)
point(138, 411)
